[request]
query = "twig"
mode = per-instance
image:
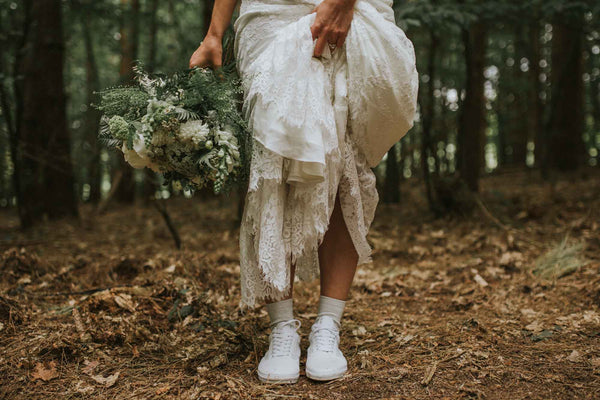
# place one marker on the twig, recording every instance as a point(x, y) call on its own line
point(489, 214)
point(83, 335)
point(453, 356)
point(115, 181)
point(504, 227)
point(431, 371)
point(82, 292)
point(429, 374)
point(162, 209)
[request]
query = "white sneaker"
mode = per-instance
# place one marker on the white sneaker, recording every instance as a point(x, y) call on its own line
point(324, 359)
point(281, 362)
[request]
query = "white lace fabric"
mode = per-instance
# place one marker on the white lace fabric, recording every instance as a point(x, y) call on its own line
point(318, 125)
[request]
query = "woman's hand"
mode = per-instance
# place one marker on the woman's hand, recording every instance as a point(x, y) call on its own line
point(332, 23)
point(209, 54)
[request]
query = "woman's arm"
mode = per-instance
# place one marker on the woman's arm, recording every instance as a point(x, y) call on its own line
point(332, 23)
point(210, 51)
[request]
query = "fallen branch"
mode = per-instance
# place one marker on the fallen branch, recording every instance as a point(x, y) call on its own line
point(431, 371)
point(78, 293)
point(115, 181)
point(161, 206)
point(429, 375)
point(504, 227)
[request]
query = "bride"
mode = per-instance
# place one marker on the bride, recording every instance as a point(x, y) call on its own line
point(329, 87)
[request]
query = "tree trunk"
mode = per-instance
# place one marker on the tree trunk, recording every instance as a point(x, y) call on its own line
point(517, 135)
point(428, 109)
point(6, 140)
point(502, 106)
point(151, 64)
point(594, 102)
point(535, 88)
point(472, 118)
point(129, 45)
point(15, 138)
point(149, 186)
point(391, 185)
point(565, 126)
point(92, 116)
point(47, 176)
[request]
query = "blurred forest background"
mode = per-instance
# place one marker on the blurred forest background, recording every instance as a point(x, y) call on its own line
point(485, 280)
point(504, 85)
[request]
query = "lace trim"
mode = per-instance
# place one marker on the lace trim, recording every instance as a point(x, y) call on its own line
point(283, 223)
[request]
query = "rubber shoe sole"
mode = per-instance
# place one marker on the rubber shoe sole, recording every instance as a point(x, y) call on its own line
point(274, 379)
point(328, 377)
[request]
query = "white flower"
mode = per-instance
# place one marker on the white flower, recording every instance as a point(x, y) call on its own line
point(138, 156)
point(229, 163)
point(195, 131)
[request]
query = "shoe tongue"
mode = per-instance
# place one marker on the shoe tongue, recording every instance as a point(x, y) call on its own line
point(326, 321)
point(286, 325)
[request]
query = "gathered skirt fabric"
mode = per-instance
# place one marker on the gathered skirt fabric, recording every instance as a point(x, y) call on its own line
point(318, 126)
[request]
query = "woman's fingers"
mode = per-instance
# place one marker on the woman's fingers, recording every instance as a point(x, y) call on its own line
point(217, 60)
point(321, 43)
point(325, 39)
point(196, 60)
point(315, 29)
point(197, 63)
point(206, 56)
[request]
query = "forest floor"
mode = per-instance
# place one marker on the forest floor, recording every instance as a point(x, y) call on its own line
point(107, 308)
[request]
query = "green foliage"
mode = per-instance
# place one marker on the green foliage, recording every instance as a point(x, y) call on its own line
point(128, 102)
point(186, 125)
point(449, 14)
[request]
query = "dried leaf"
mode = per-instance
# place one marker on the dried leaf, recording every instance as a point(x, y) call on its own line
point(480, 280)
point(575, 356)
point(45, 372)
point(162, 390)
point(359, 331)
point(90, 366)
point(124, 301)
point(535, 327)
point(108, 381)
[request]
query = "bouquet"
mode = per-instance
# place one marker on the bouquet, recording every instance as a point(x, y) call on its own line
point(186, 126)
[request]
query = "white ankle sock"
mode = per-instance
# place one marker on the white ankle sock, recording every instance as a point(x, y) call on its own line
point(332, 307)
point(282, 310)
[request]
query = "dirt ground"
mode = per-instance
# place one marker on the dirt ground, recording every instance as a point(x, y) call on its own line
point(450, 308)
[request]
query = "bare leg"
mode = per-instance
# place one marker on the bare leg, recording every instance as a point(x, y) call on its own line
point(337, 257)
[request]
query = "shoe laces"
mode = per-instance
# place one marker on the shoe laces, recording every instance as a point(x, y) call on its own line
point(282, 336)
point(324, 338)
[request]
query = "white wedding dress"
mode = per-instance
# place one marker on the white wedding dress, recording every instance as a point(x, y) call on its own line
point(318, 125)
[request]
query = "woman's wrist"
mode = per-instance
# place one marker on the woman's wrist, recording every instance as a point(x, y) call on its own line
point(349, 4)
point(214, 34)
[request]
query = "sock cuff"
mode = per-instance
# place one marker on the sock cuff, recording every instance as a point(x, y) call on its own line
point(331, 306)
point(282, 310)
point(333, 300)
